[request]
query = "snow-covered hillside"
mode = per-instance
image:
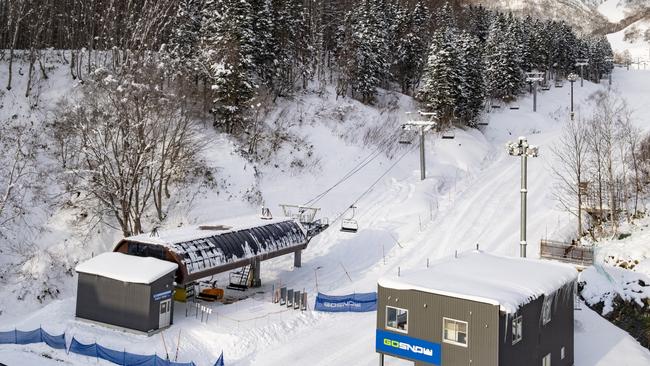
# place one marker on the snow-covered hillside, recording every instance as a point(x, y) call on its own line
point(470, 197)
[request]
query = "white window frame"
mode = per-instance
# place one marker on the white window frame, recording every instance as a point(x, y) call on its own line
point(547, 310)
point(395, 328)
point(562, 353)
point(445, 340)
point(517, 336)
point(545, 359)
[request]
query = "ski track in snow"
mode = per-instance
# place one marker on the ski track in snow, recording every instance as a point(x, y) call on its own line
point(472, 195)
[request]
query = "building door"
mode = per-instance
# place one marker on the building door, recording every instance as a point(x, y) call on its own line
point(165, 313)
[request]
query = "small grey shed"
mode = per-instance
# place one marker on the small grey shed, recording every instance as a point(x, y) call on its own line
point(126, 291)
point(479, 309)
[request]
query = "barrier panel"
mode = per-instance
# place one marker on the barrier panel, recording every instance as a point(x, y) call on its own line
point(346, 303)
point(91, 350)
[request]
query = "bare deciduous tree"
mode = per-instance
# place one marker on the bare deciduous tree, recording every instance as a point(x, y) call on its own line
point(126, 142)
point(571, 155)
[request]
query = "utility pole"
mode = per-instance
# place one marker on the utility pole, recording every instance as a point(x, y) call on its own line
point(572, 79)
point(582, 62)
point(521, 148)
point(422, 126)
point(533, 78)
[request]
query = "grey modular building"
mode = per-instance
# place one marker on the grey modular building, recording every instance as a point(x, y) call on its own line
point(478, 309)
point(126, 291)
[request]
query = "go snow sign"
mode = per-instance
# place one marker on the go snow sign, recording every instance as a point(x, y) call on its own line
point(406, 347)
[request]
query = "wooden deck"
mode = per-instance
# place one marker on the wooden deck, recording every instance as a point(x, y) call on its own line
point(567, 252)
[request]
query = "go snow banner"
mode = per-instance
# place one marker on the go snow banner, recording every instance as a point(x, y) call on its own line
point(346, 303)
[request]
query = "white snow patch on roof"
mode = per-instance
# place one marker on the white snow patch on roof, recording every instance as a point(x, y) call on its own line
point(195, 232)
point(504, 281)
point(127, 268)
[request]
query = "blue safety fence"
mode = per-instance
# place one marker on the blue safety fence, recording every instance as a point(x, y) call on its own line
point(33, 336)
point(346, 303)
point(91, 350)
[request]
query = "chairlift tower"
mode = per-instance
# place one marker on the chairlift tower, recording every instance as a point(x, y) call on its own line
point(610, 61)
point(523, 149)
point(422, 126)
point(534, 77)
point(572, 79)
point(582, 62)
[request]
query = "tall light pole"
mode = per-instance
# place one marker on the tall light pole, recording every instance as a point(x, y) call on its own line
point(522, 149)
point(534, 77)
point(422, 126)
point(582, 62)
point(572, 77)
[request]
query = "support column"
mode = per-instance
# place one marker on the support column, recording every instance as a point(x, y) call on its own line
point(524, 190)
point(423, 173)
point(297, 258)
point(255, 267)
point(381, 359)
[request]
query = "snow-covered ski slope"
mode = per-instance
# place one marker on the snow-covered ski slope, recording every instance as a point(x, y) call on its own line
point(471, 196)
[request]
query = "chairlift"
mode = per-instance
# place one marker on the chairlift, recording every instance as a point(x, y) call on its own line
point(349, 224)
point(559, 83)
point(448, 135)
point(514, 107)
point(405, 138)
point(266, 214)
point(482, 123)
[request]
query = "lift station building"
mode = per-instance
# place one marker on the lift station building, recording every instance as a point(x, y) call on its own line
point(126, 291)
point(479, 309)
point(205, 250)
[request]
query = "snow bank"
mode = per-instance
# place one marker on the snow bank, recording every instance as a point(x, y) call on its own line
point(127, 268)
point(478, 276)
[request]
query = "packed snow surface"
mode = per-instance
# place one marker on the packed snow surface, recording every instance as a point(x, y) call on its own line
point(504, 281)
point(127, 268)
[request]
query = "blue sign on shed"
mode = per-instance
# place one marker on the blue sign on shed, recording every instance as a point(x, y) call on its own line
point(407, 347)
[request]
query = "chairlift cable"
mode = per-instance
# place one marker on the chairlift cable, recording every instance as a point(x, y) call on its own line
point(362, 164)
point(373, 184)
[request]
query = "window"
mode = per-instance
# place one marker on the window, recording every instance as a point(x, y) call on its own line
point(454, 332)
point(397, 319)
point(546, 361)
point(517, 328)
point(562, 353)
point(546, 309)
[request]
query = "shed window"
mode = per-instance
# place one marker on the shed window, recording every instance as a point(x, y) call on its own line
point(546, 309)
point(546, 361)
point(454, 332)
point(397, 319)
point(562, 353)
point(517, 328)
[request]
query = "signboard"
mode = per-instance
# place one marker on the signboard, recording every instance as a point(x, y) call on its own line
point(162, 295)
point(403, 346)
point(354, 302)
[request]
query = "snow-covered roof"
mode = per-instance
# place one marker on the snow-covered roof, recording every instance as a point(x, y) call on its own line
point(127, 268)
point(206, 249)
point(503, 281)
point(194, 232)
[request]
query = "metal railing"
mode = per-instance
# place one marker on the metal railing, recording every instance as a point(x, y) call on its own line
point(567, 252)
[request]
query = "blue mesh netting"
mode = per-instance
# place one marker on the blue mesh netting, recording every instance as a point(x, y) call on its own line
point(57, 341)
point(91, 350)
point(8, 337)
point(83, 349)
point(32, 336)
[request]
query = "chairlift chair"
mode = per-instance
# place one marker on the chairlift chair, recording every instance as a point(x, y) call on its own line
point(514, 107)
point(405, 138)
point(448, 135)
point(350, 225)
